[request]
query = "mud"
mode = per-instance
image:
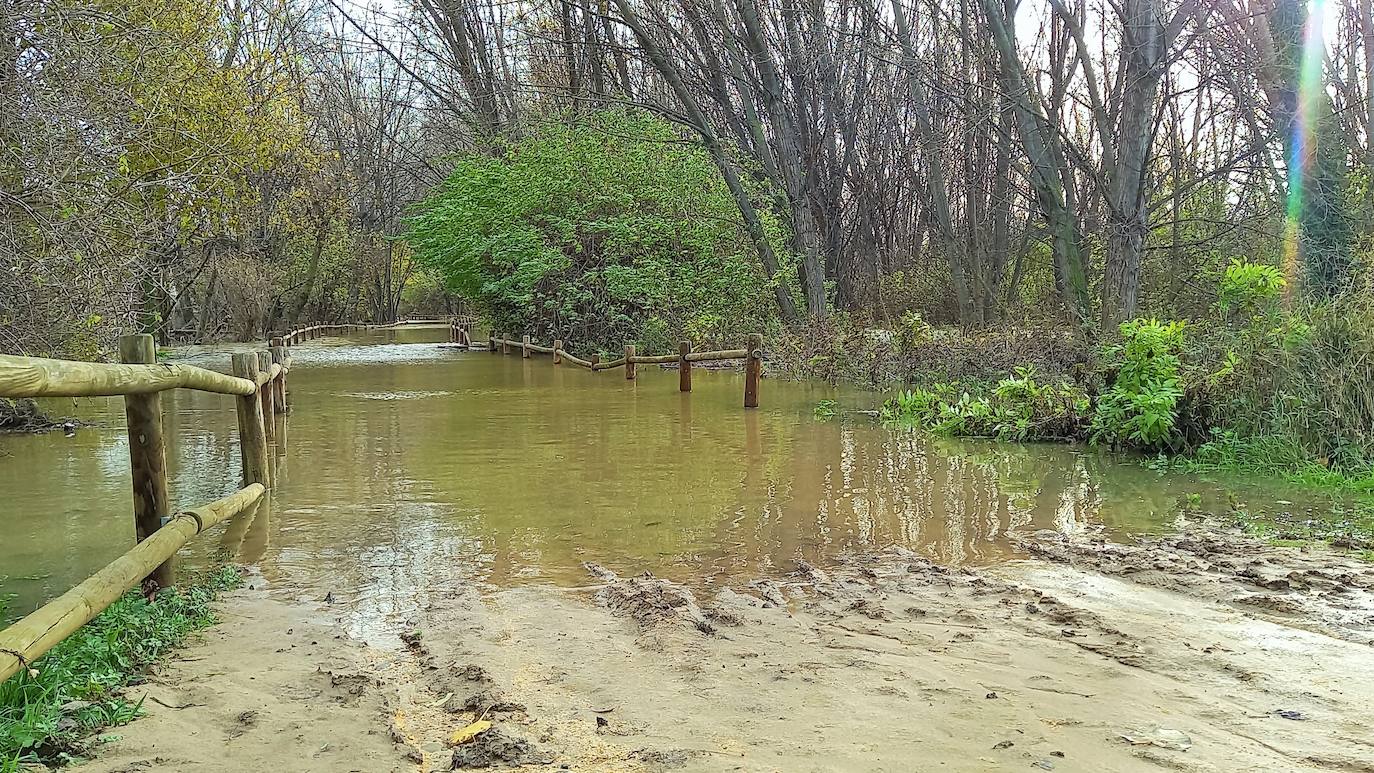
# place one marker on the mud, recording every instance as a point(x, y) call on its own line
point(1313, 587)
point(1103, 657)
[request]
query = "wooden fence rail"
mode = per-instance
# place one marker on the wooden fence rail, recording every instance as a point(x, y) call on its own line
point(752, 354)
point(27, 640)
point(317, 329)
point(259, 388)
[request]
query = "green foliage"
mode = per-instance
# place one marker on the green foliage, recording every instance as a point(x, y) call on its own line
point(1017, 408)
point(1140, 407)
point(1297, 379)
point(825, 409)
point(47, 717)
point(1248, 286)
point(912, 331)
point(589, 231)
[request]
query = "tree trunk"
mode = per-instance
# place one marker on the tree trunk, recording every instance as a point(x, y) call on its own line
point(948, 243)
point(1040, 140)
point(697, 117)
point(1127, 215)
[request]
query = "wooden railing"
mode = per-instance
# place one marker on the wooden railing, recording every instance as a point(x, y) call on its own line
point(258, 385)
point(752, 354)
point(316, 330)
point(313, 331)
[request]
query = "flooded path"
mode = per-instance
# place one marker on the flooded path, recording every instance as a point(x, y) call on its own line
point(826, 594)
point(408, 461)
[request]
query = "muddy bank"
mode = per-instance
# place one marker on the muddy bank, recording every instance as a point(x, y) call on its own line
point(886, 662)
point(273, 686)
point(1330, 591)
point(24, 416)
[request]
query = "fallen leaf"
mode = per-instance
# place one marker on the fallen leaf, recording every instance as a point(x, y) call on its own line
point(469, 732)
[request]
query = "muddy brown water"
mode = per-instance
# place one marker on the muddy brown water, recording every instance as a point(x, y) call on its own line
point(406, 464)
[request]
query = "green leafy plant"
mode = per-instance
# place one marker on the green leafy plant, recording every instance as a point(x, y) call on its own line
point(1140, 406)
point(1247, 286)
point(911, 331)
point(1018, 407)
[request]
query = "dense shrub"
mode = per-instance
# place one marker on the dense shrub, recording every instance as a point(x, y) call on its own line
point(601, 232)
point(838, 349)
point(1300, 378)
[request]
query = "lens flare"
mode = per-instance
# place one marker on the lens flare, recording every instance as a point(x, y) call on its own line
point(1303, 145)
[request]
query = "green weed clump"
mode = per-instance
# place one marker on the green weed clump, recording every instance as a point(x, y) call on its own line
point(48, 713)
point(1018, 407)
point(1295, 394)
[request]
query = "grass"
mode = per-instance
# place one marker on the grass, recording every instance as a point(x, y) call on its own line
point(1269, 456)
point(50, 713)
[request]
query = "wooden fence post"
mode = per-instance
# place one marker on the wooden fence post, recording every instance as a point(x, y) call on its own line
point(629, 362)
point(505, 343)
point(684, 368)
point(491, 342)
point(525, 347)
point(252, 437)
point(753, 365)
point(279, 356)
point(595, 360)
point(267, 395)
point(557, 351)
point(147, 452)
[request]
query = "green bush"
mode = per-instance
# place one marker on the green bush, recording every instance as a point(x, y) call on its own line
point(603, 231)
point(1140, 407)
point(1248, 286)
point(911, 332)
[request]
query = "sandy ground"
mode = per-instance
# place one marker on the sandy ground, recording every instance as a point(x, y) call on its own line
point(1201, 652)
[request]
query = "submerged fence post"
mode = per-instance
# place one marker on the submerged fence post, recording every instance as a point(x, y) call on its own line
point(557, 351)
point(525, 347)
point(629, 362)
point(491, 342)
point(252, 437)
point(505, 343)
point(753, 367)
point(267, 396)
point(684, 368)
point(279, 356)
point(595, 360)
point(147, 452)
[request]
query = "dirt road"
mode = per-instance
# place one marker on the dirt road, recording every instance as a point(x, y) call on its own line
point(1202, 652)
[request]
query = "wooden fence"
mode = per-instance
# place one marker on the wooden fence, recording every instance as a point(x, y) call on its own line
point(316, 330)
point(258, 385)
point(752, 354)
